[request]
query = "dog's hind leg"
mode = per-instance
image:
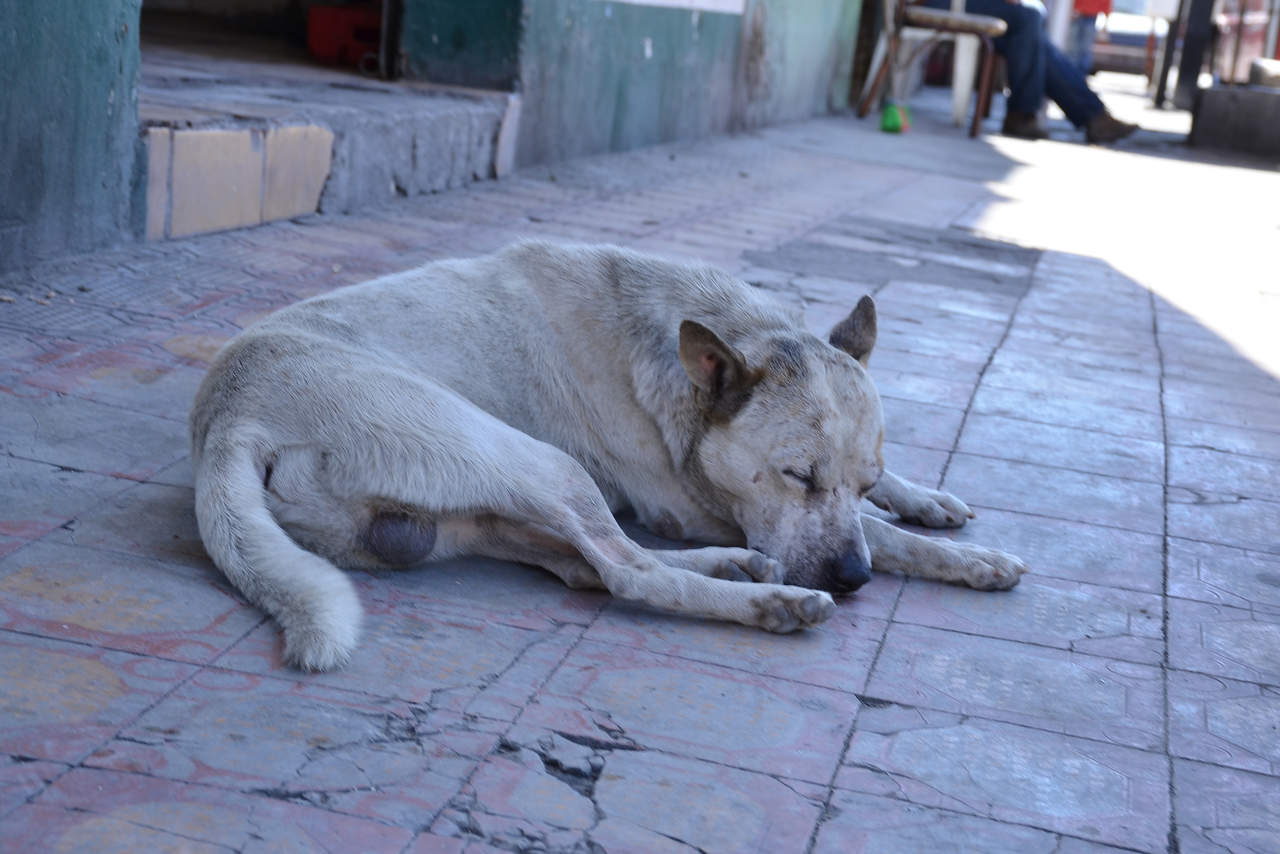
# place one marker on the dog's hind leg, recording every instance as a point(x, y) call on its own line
point(427, 449)
point(918, 504)
point(494, 536)
point(895, 550)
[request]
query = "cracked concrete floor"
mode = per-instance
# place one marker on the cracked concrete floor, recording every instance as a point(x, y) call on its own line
point(1080, 342)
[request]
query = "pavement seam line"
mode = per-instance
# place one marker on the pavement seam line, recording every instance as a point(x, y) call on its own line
point(1223, 543)
point(1174, 845)
point(964, 419)
point(79, 763)
point(853, 725)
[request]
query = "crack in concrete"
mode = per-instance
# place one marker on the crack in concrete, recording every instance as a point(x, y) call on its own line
point(818, 802)
point(876, 702)
point(166, 831)
point(575, 765)
point(309, 797)
point(600, 743)
point(677, 840)
point(1208, 499)
point(580, 772)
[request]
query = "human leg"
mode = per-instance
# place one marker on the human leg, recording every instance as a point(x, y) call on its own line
point(1080, 40)
point(1068, 88)
point(1065, 84)
point(1037, 68)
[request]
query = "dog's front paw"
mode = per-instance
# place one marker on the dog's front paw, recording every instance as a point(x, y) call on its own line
point(933, 509)
point(742, 565)
point(989, 569)
point(760, 567)
point(792, 608)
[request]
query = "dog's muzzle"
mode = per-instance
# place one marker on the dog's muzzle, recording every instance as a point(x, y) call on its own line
point(849, 571)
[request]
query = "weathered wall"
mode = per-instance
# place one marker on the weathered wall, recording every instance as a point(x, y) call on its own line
point(599, 76)
point(796, 59)
point(70, 175)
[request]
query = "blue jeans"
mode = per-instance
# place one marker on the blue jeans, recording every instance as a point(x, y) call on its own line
point(1036, 68)
point(1080, 38)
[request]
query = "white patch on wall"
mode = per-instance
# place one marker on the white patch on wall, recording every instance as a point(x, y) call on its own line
point(648, 48)
point(729, 7)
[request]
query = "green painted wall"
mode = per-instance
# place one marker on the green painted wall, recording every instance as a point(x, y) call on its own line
point(604, 76)
point(70, 170)
point(797, 59)
point(598, 76)
point(472, 43)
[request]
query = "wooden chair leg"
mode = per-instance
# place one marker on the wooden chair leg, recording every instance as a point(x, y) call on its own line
point(997, 82)
point(984, 85)
point(877, 84)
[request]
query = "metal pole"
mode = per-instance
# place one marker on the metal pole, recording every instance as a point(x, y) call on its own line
point(1199, 26)
point(1235, 54)
point(1166, 56)
point(1059, 22)
point(1273, 31)
point(389, 40)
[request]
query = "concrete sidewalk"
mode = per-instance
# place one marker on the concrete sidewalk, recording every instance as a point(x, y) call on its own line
point(1079, 342)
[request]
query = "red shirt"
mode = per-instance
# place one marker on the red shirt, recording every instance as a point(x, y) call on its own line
point(1093, 7)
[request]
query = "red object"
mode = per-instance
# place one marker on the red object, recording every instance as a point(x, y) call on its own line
point(1093, 7)
point(344, 35)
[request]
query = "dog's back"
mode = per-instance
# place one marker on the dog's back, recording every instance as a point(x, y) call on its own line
point(564, 343)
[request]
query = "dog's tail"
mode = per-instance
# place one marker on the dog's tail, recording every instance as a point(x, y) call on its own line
point(312, 600)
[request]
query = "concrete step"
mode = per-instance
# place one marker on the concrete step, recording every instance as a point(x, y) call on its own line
point(235, 141)
point(1238, 118)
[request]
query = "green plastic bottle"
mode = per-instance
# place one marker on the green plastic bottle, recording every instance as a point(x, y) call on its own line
point(895, 118)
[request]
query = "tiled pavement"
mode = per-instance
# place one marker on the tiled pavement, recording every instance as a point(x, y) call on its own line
point(1085, 391)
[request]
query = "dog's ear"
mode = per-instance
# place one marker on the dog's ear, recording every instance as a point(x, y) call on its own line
point(856, 334)
point(715, 367)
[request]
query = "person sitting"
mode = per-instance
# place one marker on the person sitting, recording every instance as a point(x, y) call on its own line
point(1036, 68)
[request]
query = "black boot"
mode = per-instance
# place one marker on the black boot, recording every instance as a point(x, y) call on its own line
point(1104, 128)
point(1023, 125)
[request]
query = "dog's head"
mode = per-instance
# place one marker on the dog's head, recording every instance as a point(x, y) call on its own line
point(792, 442)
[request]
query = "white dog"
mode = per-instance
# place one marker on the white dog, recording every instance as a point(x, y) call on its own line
point(508, 405)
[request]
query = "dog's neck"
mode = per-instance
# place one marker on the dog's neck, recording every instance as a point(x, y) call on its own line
point(654, 297)
point(713, 500)
point(682, 418)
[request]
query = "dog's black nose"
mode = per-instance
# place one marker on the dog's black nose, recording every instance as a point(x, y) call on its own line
point(849, 572)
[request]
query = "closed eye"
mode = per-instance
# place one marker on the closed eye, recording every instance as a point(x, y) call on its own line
point(805, 479)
